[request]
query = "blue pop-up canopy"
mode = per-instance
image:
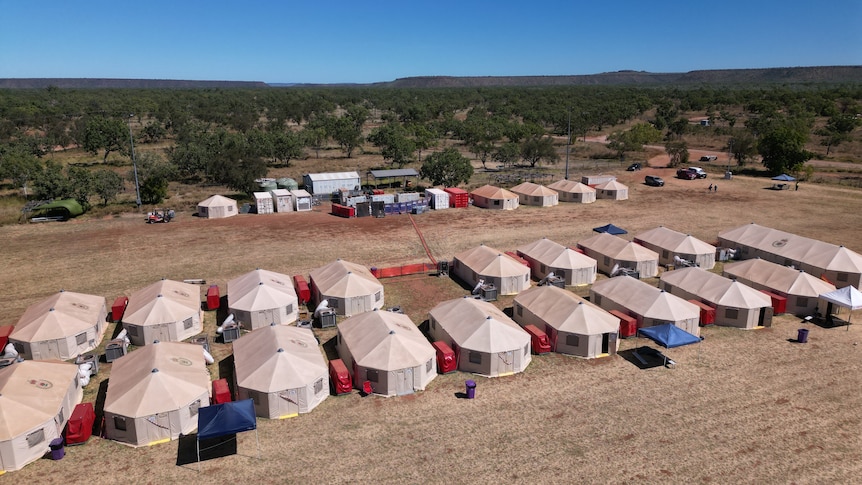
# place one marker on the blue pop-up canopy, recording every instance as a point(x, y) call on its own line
point(611, 229)
point(784, 178)
point(669, 335)
point(226, 419)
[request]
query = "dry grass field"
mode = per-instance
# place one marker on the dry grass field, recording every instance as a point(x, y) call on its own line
point(740, 407)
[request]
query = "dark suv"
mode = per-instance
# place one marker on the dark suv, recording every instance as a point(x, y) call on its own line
point(653, 181)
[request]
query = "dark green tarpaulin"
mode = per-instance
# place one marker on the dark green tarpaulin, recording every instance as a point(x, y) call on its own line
point(65, 208)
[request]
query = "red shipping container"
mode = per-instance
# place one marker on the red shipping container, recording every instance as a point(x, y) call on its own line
point(213, 297)
point(341, 383)
point(301, 288)
point(343, 210)
point(707, 313)
point(118, 308)
point(79, 428)
point(221, 392)
point(779, 303)
point(539, 339)
point(628, 324)
point(5, 331)
point(458, 198)
point(446, 362)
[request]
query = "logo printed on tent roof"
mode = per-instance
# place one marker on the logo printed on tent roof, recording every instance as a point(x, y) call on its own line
point(298, 342)
point(40, 383)
point(779, 243)
point(181, 361)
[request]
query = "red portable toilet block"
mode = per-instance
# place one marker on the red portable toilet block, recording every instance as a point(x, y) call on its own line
point(707, 313)
point(539, 340)
point(446, 361)
point(628, 324)
point(118, 308)
point(339, 376)
point(79, 428)
point(221, 392)
point(779, 303)
point(301, 288)
point(213, 297)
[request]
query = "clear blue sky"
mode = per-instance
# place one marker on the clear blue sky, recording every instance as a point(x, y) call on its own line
point(332, 41)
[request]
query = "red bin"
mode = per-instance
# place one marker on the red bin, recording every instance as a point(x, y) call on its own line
point(221, 392)
point(79, 428)
point(5, 331)
point(341, 383)
point(779, 303)
point(301, 288)
point(213, 297)
point(446, 362)
point(539, 340)
point(707, 313)
point(628, 324)
point(118, 308)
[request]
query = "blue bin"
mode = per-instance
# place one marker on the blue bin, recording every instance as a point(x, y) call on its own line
point(471, 389)
point(802, 335)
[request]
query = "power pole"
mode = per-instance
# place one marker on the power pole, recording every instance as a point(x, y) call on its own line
point(568, 141)
point(134, 164)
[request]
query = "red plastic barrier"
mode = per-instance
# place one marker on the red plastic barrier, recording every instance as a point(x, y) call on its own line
point(539, 340)
point(707, 313)
point(390, 272)
point(779, 303)
point(5, 331)
point(413, 268)
point(341, 383)
point(221, 392)
point(79, 428)
point(445, 357)
point(343, 210)
point(213, 297)
point(118, 308)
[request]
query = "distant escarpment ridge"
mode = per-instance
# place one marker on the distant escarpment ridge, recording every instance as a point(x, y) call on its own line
point(771, 75)
point(98, 83)
point(776, 75)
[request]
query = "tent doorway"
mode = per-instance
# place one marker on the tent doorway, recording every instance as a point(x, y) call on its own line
point(506, 365)
point(765, 318)
point(161, 333)
point(289, 404)
point(404, 382)
point(159, 428)
point(609, 343)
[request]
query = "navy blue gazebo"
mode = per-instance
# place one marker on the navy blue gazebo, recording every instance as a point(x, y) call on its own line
point(611, 229)
point(669, 336)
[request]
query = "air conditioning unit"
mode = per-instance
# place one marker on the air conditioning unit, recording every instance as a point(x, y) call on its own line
point(556, 281)
point(202, 340)
point(489, 292)
point(326, 318)
point(230, 332)
point(115, 349)
point(89, 359)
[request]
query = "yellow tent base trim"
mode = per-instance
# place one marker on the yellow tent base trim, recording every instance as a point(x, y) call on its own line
point(286, 416)
point(2, 472)
point(504, 374)
point(602, 355)
point(158, 442)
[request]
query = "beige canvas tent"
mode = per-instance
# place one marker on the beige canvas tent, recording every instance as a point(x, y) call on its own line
point(841, 266)
point(646, 303)
point(574, 325)
point(168, 311)
point(736, 305)
point(801, 289)
point(217, 207)
point(546, 256)
point(612, 189)
point(260, 297)
point(493, 267)
point(491, 197)
point(155, 392)
point(36, 400)
point(572, 191)
point(282, 370)
point(670, 244)
point(612, 251)
point(388, 350)
point(535, 194)
point(484, 339)
point(63, 326)
point(350, 288)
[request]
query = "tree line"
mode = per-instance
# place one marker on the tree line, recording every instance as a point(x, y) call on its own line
point(233, 136)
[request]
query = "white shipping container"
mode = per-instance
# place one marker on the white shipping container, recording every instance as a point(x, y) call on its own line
point(437, 199)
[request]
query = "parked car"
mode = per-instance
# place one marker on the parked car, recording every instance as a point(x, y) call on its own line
point(654, 181)
point(691, 173)
point(634, 167)
point(708, 158)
